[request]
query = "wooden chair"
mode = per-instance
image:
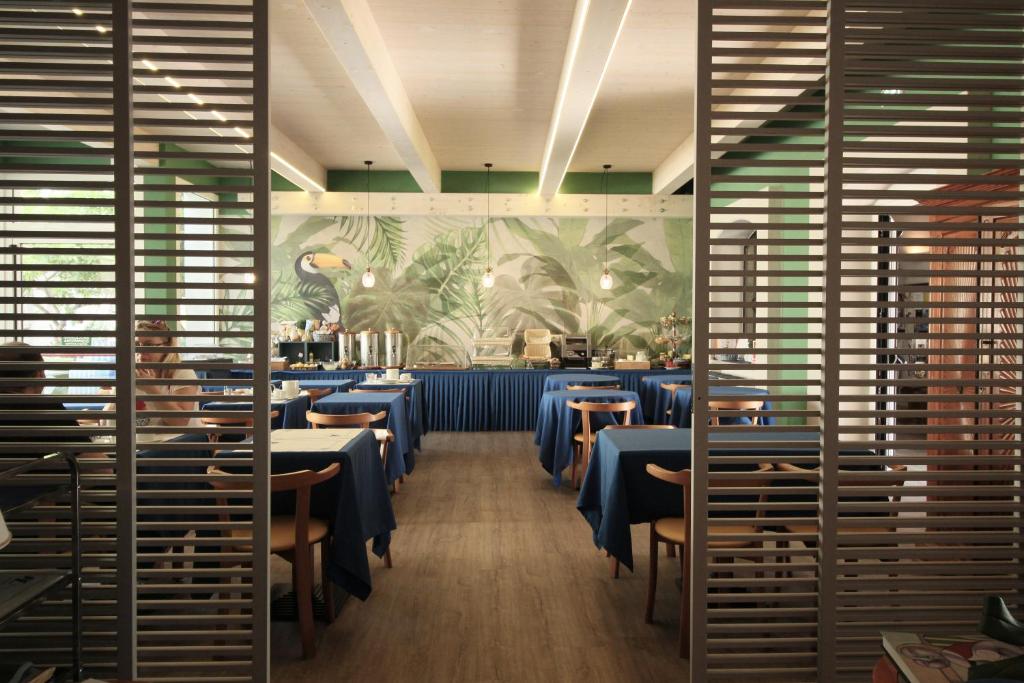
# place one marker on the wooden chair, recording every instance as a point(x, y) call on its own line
point(848, 478)
point(293, 538)
point(357, 420)
point(213, 420)
point(317, 394)
point(674, 530)
point(584, 387)
point(584, 440)
point(384, 439)
point(751, 405)
point(672, 389)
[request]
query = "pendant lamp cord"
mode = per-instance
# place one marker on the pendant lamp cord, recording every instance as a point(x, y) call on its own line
point(488, 226)
point(605, 183)
point(368, 225)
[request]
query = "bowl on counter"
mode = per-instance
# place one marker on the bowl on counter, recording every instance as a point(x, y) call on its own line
point(329, 366)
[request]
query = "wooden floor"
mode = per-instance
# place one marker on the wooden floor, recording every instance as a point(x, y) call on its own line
point(496, 578)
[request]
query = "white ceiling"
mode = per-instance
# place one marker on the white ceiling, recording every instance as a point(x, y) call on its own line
point(482, 77)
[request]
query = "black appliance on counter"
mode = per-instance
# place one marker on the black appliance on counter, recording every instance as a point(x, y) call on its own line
point(576, 352)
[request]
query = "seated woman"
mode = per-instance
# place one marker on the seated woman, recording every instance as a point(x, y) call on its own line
point(156, 333)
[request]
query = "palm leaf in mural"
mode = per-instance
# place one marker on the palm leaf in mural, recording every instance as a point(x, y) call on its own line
point(294, 300)
point(387, 242)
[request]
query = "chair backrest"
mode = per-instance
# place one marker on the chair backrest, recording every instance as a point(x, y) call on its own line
point(853, 478)
point(624, 408)
point(747, 405)
point(302, 482)
point(672, 389)
point(362, 420)
point(317, 394)
point(584, 387)
point(753, 479)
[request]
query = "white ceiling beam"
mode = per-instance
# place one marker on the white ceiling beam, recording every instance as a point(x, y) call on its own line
point(291, 162)
point(676, 169)
point(355, 39)
point(595, 32)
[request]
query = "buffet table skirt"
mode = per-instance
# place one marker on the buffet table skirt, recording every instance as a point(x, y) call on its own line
point(482, 400)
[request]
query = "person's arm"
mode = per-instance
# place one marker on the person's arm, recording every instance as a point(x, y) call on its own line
point(150, 392)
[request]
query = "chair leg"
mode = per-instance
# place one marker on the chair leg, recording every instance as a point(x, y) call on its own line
point(671, 549)
point(575, 459)
point(613, 565)
point(652, 577)
point(387, 558)
point(684, 609)
point(325, 581)
point(303, 573)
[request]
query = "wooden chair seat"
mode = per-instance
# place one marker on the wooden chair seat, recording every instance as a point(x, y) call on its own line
point(282, 532)
point(584, 387)
point(673, 529)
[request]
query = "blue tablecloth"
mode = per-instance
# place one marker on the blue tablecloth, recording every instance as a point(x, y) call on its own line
point(335, 384)
point(415, 404)
point(557, 423)
point(682, 406)
point(618, 492)
point(561, 380)
point(356, 503)
point(657, 401)
point(291, 412)
point(401, 458)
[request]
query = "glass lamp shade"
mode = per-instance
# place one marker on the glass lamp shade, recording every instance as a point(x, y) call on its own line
point(606, 280)
point(368, 278)
point(488, 279)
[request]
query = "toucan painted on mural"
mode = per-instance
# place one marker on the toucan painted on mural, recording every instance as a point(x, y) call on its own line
point(308, 267)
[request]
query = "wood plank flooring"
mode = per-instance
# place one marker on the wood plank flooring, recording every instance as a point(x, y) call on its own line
point(496, 578)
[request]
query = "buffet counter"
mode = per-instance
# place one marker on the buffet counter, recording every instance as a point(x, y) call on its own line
point(493, 400)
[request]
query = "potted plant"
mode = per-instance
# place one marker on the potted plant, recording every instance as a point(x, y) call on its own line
point(673, 336)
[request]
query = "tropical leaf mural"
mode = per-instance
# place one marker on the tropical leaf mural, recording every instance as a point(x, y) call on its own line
point(428, 271)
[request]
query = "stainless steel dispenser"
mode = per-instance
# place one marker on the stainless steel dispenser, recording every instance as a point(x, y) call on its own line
point(369, 348)
point(349, 345)
point(394, 350)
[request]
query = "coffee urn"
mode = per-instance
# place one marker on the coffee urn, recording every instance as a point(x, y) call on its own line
point(393, 348)
point(349, 342)
point(369, 348)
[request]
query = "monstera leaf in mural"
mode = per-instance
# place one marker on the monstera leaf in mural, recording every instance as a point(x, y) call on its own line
point(429, 268)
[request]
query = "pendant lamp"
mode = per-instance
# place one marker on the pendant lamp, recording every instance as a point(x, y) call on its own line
point(606, 276)
point(368, 278)
point(488, 279)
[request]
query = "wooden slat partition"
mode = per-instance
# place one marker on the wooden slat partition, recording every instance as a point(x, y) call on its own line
point(135, 183)
point(877, 146)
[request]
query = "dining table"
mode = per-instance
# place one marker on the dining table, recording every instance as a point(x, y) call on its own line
point(617, 491)
point(562, 380)
point(416, 405)
point(657, 401)
point(557, 423)
point(682, 405)
point(291, 412)
point(332, 384)
point(356, 503)
point(401, 456)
